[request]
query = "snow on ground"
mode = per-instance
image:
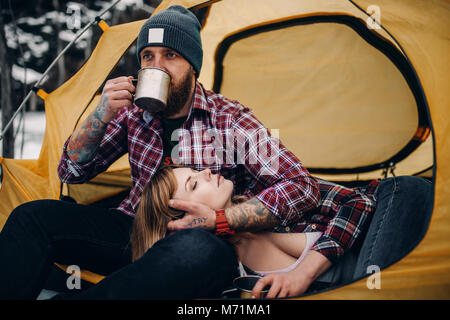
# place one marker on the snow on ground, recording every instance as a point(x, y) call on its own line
point(33, 136)
point(21, 74)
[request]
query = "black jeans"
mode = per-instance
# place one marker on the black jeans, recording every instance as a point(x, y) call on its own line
point(402, 217)
point(399, 223)
point(185, 265)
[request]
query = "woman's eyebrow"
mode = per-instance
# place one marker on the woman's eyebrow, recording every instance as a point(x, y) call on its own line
point(187, 181)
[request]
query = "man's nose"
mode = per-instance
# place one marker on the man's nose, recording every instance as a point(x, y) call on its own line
point(158, 62)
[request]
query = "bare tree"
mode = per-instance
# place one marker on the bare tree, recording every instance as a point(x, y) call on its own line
point(59, 46)
point(6, 98)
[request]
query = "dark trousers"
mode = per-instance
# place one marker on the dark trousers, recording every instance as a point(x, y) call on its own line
point(399, 223)
point(185, 265)
point(402, 217)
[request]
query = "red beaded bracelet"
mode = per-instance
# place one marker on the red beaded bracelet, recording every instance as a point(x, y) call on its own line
point(222, 226)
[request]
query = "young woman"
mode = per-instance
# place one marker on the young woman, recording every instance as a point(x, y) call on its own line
point(383, 240)
point(262, 252)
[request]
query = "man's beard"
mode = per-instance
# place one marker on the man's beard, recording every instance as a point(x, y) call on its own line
point(178, 95)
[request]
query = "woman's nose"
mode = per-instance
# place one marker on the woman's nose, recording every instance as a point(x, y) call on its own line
point(207, 174)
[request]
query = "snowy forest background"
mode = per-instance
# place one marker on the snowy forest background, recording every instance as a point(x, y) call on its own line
point(32, 35)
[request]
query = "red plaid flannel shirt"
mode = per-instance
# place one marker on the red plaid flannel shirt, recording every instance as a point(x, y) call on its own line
point(342, 216)
point(224, 136)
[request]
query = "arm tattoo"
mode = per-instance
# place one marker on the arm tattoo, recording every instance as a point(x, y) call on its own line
point(251, 215)
point(85, 141)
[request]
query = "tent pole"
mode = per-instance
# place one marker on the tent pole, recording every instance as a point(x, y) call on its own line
point(80, 33)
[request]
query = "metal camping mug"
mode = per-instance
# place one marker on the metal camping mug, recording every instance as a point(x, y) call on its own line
point(245, 286)
point(152, 89)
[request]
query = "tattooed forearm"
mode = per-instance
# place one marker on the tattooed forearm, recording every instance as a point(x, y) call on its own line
point(85, 141)
point(251, 215)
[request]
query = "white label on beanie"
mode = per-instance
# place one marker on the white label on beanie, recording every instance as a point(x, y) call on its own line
point(156, 35)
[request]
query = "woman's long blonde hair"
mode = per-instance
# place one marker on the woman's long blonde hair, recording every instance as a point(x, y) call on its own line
point(154, 213)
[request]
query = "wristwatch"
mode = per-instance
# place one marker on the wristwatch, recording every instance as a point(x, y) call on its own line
point(222, 226)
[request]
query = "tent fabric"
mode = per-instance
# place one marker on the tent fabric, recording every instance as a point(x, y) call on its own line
point(317, 99)
point(320, 100)
point(309, 91)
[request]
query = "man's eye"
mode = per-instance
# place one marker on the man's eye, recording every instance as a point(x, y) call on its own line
point(171, 54)
point(146, 56)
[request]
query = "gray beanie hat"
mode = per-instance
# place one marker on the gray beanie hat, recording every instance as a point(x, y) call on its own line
point(176, 28)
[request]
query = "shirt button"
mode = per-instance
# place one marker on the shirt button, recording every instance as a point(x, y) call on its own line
point(287, 229)
point(313, 226)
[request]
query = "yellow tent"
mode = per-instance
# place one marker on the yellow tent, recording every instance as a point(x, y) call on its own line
point(355, 89)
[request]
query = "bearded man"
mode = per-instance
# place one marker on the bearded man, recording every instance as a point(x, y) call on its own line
point(191, 262)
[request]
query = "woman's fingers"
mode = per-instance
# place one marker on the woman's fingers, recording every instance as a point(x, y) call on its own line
point(274, 289)
point(260, 284)
point(284, 292)
point(279, 286)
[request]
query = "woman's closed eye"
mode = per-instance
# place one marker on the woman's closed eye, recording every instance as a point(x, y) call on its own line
point(194, 185)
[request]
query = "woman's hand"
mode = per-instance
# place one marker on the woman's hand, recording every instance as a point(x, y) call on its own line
point(197, 215)
point(295, 282)
point(283, 284)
